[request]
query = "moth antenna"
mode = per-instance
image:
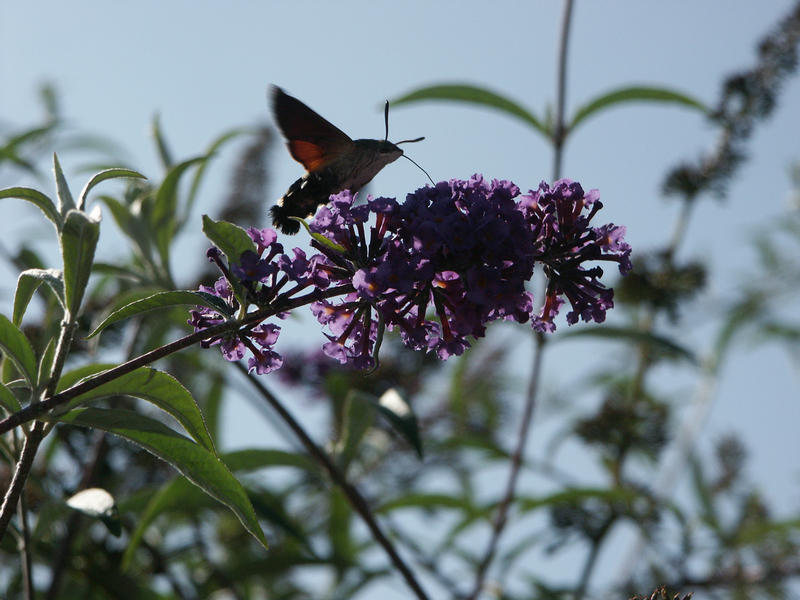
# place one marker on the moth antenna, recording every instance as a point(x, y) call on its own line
point(386, 119)
point(419, 139)
point(420, 168)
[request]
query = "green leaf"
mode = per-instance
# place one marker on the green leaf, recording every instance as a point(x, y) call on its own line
point(359, 416)
point(163, 300)
point(17, 348)
point(253, 459)
point(8, 400)
point(164, 218)
point(427, 502)
point(65, 201)
point(46, 361)
point(28, 282)
point(43, 202)
point(329, 243)
point(397, 412)
point(131, 225)
point(634, 94)
point(103, 176)
point(151, 385)
point(230, 238)
point(474, 95)
point(199, 465)
point(201, 170)
point(161, 144)
point(78, 242)
point(656, 342)
point(180, 494)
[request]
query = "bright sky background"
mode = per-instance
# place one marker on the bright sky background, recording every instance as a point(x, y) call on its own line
point(205, 67)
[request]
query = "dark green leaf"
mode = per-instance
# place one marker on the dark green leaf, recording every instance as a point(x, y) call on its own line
point(656, 342)
point(78, 242)
point(103, 176)
point(8, 400)
point(427, 502)
point(634, 94)
point(17, 348)
point(164, 219)
point(27, 283)
point(43, 202)
point(230, 238)
point(199, 465)
point(474, 95)
point(151, 385)
point(163, 300)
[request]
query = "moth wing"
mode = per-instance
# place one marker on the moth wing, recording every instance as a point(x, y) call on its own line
point(312, 140)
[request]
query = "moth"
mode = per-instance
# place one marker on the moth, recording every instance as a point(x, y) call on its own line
point(333, 161)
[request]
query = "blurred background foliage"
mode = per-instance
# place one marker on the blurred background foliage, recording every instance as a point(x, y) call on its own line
point(434, 482)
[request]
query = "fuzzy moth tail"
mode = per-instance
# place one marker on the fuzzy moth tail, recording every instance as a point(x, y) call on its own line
point(281, 219)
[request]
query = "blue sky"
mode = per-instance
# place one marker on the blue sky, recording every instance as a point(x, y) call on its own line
point(205, 67)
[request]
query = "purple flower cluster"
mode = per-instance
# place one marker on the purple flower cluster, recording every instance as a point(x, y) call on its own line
point(437, 268)
point(457, 256)
point(259, 276)
point(560, 217)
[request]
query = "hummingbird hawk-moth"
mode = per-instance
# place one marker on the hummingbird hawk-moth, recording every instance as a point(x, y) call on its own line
point(333, 161)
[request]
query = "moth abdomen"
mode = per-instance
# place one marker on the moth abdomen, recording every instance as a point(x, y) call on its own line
point(303, 198)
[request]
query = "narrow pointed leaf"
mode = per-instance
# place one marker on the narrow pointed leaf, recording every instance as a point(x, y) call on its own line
point(131, 225)
point(230, 238)
point(180, 493)
point(201, 170)
point(16, 347)
point(28, 282)
point(657, 342)
point(199, 465)
point(37, 198)
point(161, 144)
point(154, 386)
point(473, 95)
point(103, 176)
point(65, 201)
point(164, 219)
point(78, 242)
point(635, 94)
point(163, 300)
point(327, 242)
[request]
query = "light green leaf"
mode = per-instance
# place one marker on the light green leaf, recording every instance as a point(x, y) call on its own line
point(78, 243)
point(65, 201)
point(230, 238)
point(163, 300)
point(201, 170)
point(43, 202)
point(199, 465)
point(103, 176)
point(455, 92)
point(161, 144)
point(319, 237)
point(17, 348)
point(151, 385)
point(28, 282)
point(634, 94)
